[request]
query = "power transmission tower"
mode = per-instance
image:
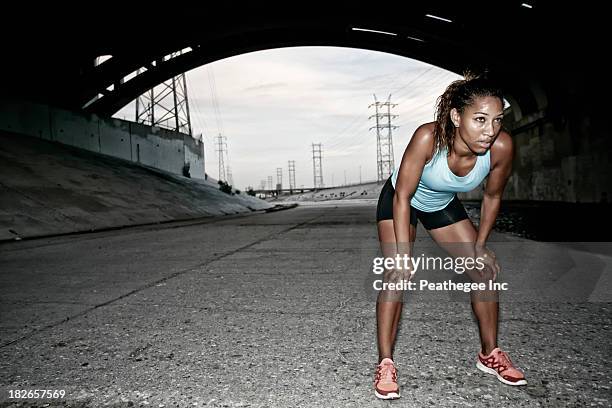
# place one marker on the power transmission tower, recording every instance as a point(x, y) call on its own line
point(384, 140)
point(230, 179)
point(291, 176)
point(221, 149)
point(279, 179)
point(224, 162)
point(317, 164)
point(166, 105)
point(270, 183)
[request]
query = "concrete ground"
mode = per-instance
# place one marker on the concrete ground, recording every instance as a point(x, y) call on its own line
point(276, 310)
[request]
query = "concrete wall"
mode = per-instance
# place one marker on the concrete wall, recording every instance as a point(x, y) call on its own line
point(147, 145)
point(563, 158)
point(115, 138)
point(194, 156)
point(75, 130)
point(156, 147)
point(30, 119)
point(567, 160)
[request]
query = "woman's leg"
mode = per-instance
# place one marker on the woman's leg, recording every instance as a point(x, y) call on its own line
point(389, 304)
point(458, 240)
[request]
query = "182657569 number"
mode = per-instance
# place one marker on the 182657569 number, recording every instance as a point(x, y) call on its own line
point(36, 394)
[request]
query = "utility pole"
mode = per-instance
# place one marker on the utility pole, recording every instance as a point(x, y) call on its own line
point(291, 176)
point(166, 105)
point(317, 164)
point(384, 140)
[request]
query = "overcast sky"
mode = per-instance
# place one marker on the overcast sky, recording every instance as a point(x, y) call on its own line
point(274, 104)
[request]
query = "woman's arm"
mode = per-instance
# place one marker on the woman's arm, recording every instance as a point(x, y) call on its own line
point(416, 154)
point(502, 153)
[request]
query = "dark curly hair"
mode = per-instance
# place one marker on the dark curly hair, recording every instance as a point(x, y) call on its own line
point(458, 95)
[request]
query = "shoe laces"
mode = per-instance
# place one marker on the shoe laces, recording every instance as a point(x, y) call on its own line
point(386, 372)
point(505, 360)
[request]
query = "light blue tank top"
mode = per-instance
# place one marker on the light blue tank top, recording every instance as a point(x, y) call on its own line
point(438, 184)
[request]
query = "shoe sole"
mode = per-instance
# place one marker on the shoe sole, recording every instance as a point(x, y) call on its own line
point(488, 370)
point(391, 395)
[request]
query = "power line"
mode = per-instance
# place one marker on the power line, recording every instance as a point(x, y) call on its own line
point(224, 162)
point(212, 83)
point(339, 142)
point(199, 116)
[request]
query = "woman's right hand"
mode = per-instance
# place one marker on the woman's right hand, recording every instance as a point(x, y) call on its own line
point(404, 270)
point(489, 260)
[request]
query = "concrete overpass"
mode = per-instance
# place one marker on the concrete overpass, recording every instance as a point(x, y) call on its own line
point(538, 55)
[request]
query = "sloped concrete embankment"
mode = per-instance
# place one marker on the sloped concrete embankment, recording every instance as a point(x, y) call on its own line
point(47, 188)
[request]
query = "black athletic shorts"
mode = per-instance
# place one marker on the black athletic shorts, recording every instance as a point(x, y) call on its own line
point(452, 213)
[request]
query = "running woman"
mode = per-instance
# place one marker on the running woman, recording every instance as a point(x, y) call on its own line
point(465, 144)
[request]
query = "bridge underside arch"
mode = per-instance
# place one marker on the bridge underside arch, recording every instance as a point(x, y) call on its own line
point(539, 55)
point(520, 47)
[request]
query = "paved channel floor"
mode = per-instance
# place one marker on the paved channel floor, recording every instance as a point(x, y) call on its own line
point(277, 310)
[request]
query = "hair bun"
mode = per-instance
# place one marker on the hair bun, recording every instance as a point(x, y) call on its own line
point(471, 75)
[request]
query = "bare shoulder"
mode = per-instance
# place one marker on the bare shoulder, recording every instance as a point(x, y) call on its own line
point(502, 147)
point(424, 135)
point(423, 140)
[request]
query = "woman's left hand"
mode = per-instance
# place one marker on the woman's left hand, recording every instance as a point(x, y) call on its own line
point(489, 260)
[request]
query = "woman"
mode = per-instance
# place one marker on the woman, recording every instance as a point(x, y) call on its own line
point(455, 153)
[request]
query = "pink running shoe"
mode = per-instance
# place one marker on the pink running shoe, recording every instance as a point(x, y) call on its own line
point(499, 364)
point(385, 382)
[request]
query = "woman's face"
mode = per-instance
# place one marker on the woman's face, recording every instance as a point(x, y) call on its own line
point(480, 123)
